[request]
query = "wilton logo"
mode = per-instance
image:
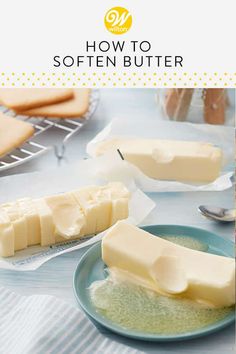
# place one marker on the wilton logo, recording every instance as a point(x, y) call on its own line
point(118, 20)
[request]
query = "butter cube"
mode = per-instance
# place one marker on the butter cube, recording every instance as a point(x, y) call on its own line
point(96, 208)
point(120, 210)
point(119, 196)
point(19, 225)
point(103, 205)
point(47, 228)
point(7, 236)
point(67, 215)
point(90, 208)
point(190, 161)
point(28, 210)
point(168, 268)
point(103, 211)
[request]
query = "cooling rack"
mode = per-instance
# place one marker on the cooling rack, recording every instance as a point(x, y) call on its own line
point(33, 147)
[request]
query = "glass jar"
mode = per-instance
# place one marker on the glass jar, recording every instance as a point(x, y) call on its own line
point(212, 106)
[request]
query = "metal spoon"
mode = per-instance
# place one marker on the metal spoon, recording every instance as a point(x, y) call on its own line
point(217, 213)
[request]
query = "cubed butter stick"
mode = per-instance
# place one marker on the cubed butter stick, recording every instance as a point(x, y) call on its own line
point(189, 161)
point(165, 267)
point(66, 216)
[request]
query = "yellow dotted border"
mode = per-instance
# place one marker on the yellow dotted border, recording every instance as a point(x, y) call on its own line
point(115, 79)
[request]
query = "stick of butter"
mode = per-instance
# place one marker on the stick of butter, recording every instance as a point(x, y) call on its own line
point(169, 159)
point(57, 218)
point(165, 267)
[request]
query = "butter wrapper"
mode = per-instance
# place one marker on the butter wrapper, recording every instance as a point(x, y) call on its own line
point(40, 184)
point(114, 168)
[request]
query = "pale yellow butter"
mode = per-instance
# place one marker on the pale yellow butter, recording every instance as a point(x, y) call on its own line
point(89, 207)
point(46, 222)
point(19, 224)
point(96, 208)
point(165, 267)
point(103, 211)
point(7, 235)
point(120, 210)
point(119, 196)
point(27, 208)
point(103, 205)
point(61, 217)
point(67, 215)
point(169, 159)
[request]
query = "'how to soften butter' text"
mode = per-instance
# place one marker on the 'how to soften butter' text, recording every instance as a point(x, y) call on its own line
point(118, 54)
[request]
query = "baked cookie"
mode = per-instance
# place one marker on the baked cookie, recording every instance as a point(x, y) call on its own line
point(21, 99)
point(73, 108)
point(13, 133)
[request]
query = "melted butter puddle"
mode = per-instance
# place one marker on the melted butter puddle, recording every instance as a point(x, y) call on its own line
point(136, 308)
point(187, 242)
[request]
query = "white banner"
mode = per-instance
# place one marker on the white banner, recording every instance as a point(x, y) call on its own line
point(129, 43)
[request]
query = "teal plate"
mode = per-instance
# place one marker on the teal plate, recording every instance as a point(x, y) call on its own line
point(91, 268)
